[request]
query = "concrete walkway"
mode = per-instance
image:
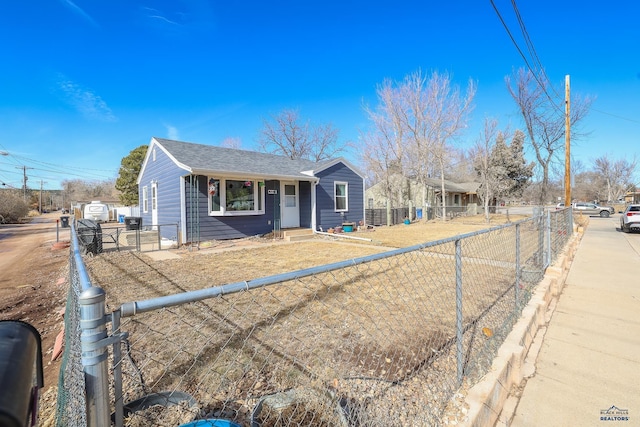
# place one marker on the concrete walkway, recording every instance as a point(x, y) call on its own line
point(587, 371)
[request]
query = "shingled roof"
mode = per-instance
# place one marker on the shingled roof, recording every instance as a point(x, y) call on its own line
point(209, 159)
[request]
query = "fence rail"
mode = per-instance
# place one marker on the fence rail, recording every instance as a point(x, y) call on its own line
point(382, 340)
point(97, 238)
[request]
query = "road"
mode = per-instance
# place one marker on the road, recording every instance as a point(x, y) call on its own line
point(30, 269)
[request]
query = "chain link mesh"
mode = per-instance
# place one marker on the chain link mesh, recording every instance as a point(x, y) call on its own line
point(372, 344)
point(383, 341)
point(71, 408)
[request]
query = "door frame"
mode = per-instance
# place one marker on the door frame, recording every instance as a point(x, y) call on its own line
point(289, 216)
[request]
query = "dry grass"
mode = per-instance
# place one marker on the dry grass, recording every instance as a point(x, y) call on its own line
point(401, 235)
point(363, 329)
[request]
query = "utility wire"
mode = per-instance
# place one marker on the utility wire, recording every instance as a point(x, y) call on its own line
point(531, 48)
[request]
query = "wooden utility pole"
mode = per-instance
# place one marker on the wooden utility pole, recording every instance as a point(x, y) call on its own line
point(567, 142)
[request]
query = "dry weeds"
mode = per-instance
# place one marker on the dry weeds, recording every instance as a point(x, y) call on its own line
point(367, 330)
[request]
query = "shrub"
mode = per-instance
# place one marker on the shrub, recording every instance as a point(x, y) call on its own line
point(12, 207)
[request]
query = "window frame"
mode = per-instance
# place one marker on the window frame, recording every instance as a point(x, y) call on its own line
point(258, 197)
point(336, 184)
point(145, 199)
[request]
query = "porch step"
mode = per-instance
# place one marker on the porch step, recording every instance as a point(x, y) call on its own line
point(298, 234)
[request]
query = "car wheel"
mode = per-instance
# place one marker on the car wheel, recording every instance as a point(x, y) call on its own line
point(604, 214)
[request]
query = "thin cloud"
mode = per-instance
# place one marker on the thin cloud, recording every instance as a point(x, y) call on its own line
point(162, 18)
point(86, 102)
point(155, 14)
point(172, 132)
point(77, 10)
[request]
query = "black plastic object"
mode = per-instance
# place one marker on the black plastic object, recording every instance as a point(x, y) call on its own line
point(133, 222)
point(164, 398)
point(21, 375)
point(89, 235)
point(64, 221)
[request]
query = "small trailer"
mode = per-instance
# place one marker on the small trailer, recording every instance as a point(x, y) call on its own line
point(96, 211)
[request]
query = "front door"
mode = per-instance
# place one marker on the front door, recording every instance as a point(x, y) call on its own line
point(289, 205)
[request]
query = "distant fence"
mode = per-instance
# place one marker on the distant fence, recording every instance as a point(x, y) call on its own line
point(382, 340)
point(96, 238)
point(379, 216)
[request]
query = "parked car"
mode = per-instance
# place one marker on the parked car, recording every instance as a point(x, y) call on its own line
point(593, 209)
point(630, 219)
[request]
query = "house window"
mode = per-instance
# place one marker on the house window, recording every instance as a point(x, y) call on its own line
point(154, 197)
point(290, 196)
point(145, 199)
point(231, 197)
point(456, 199)
point(341, 196)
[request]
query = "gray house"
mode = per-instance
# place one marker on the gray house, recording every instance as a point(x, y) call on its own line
point(409, 191)
point(216, 193)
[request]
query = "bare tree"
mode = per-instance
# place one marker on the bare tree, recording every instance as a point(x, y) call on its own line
point(447, 111)
point(384, 151)
point(544, 120)
point(481, 153)
point(284, 134)
point(617, 176)
point(80, 190)
point(415, 124)
point(231, 142)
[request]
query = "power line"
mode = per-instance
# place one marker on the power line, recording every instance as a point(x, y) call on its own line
point(531, 49)
point(616, 116)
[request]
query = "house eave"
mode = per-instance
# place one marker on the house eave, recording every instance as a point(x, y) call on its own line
point(243, 175)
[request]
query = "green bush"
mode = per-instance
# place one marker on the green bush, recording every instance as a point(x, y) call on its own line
point(12, 207)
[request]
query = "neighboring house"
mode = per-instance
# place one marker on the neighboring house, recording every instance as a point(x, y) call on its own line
point(459, 195)
point(217, 193)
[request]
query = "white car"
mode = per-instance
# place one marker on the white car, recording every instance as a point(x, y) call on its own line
point(630, 219)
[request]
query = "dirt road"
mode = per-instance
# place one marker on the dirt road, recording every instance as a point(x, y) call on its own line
point(31, 267)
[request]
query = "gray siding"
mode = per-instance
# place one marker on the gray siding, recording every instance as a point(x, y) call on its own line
point(327, 217)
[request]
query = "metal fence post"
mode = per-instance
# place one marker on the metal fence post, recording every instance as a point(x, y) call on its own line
point(117, 369)
point(459, 335)
point(548, 230)
point(94, 356)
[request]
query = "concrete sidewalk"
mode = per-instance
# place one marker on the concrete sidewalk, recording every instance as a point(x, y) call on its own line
point(587, 370)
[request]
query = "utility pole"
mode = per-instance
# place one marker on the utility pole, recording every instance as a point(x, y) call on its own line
point(24, 181)
point(567, 143)
point(40, 204)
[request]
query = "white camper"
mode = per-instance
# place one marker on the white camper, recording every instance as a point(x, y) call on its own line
point(96, 211)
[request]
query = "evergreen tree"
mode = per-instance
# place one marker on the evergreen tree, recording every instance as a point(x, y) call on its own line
point(127, 179)
point(510, 170)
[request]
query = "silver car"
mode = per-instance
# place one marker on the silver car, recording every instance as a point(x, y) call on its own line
point(630, 219)
point(593, 209)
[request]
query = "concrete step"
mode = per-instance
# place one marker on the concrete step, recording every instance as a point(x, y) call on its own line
point(298, 234)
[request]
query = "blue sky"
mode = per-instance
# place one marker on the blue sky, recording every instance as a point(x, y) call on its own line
point(84, 82)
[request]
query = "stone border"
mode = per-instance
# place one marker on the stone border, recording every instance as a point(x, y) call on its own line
point(492, 400)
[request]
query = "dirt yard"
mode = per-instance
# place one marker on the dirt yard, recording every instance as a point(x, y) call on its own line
point(33, 267)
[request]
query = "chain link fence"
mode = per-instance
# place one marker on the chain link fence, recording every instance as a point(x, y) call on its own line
point(382, 340)
point(96, 238)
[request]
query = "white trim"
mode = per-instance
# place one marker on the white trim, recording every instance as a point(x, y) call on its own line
point(260, 192)
point(145, 199)
point(183, 209)
point(331, 163)
point(314, 220)
point(346, 196)
point(154, 203)
point(292, 212)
